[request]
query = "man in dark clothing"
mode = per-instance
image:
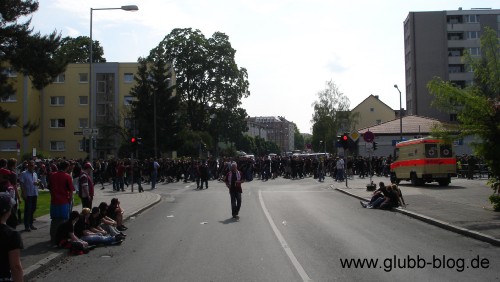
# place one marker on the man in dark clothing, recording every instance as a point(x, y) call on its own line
point(204, 171)
point(233, 183)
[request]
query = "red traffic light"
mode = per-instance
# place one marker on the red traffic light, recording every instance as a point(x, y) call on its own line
point(344, 137)
point(133, 140)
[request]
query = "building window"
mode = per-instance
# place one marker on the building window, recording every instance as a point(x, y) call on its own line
point(8, 145)
point(455, 52)
point(378, 121)
point(475, 51)
point(471, 35)
point(454, 19)
point(84, 77)
point(471, 18)
point(455, 35)
point(57, 100)
point(455, 68)
point(60, 78)
point(80, 145)
point(372, 109)
point(83, 123)
point(58, 123)
point(128, 77)
point(83, 100)
point(10, 98)
point(9, 72)
point(127, 100)
point(57, 146)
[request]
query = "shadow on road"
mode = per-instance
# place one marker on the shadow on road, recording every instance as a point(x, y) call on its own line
point(228, 221)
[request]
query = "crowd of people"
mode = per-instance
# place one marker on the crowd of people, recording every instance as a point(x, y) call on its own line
point(69, 228)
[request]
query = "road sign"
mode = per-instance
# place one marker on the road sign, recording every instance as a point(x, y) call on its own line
point(369, 136)
point(354, 136)
point(86, 132)
point(78, 133)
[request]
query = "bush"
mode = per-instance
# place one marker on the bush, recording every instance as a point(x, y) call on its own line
point(494, 183)
point(495, 200)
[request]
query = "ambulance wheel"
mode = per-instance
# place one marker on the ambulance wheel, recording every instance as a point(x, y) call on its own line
point(394, 178)
point(444, 182)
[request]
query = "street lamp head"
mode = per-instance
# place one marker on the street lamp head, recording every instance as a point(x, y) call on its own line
point(130, 8)
point(395, 86)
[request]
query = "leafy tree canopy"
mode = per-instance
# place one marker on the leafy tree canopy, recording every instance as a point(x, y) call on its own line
point(331, 115)
point(208, 81)
point(25, 52)
point(76, 50)
point(477, 106)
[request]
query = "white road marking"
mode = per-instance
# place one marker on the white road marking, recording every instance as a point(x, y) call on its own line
point(283, 243)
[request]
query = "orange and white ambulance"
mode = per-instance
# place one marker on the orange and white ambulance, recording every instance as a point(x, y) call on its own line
point(424, 160)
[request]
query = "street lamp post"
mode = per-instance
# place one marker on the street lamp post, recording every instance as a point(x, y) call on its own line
point(90, 125)
point(400, 115)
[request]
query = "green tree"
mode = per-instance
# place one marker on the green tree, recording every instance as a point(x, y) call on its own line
point(27, 53)
point(154, 88)
point(477, 106)
point(299, 141)
point(76, 50)
point(331, 116)
point(209, 83)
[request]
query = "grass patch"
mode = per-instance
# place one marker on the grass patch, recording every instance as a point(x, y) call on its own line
point(43, 203)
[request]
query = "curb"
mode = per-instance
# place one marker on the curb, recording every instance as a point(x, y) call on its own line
point(442, 224)
point(60, 254)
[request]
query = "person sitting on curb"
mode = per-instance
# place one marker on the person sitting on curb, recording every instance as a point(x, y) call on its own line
point(115, 212)
point(83, 231)
point(65, 236)
point(377, 197)
point(394, 199)
point(98, 226)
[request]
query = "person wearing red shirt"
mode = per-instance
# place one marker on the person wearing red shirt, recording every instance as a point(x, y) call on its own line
point(61, 197)
point(86, 186)
point(120, 176)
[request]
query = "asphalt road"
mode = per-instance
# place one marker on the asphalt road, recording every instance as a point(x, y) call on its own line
point(298, 230)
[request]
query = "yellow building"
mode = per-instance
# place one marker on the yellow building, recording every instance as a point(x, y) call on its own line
point(372, 112)
point(62, 111)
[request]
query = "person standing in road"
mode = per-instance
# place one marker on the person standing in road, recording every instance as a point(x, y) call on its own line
point(204, 172)
point(233, 183)
point(29, 191)
point(154, 173)
point(86, 186)
point(61, 197)
point(11, 244)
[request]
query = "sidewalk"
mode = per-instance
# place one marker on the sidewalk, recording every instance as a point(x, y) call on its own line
point(464, 210)
point(38, 251)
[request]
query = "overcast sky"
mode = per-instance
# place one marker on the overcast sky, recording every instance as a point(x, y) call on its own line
point(289, 47)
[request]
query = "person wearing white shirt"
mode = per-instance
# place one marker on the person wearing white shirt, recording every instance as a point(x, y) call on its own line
point(29, 192)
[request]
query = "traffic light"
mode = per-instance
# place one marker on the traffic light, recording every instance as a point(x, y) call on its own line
point(133, 142)
point(374, 146)
point(345, 140)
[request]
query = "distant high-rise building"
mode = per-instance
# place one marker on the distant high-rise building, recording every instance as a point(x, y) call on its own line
point(435, 43)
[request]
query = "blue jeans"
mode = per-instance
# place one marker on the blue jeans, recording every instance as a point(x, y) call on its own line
point(29, 210)
point(98, 239)
point(235, 202)
point(340, 174)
